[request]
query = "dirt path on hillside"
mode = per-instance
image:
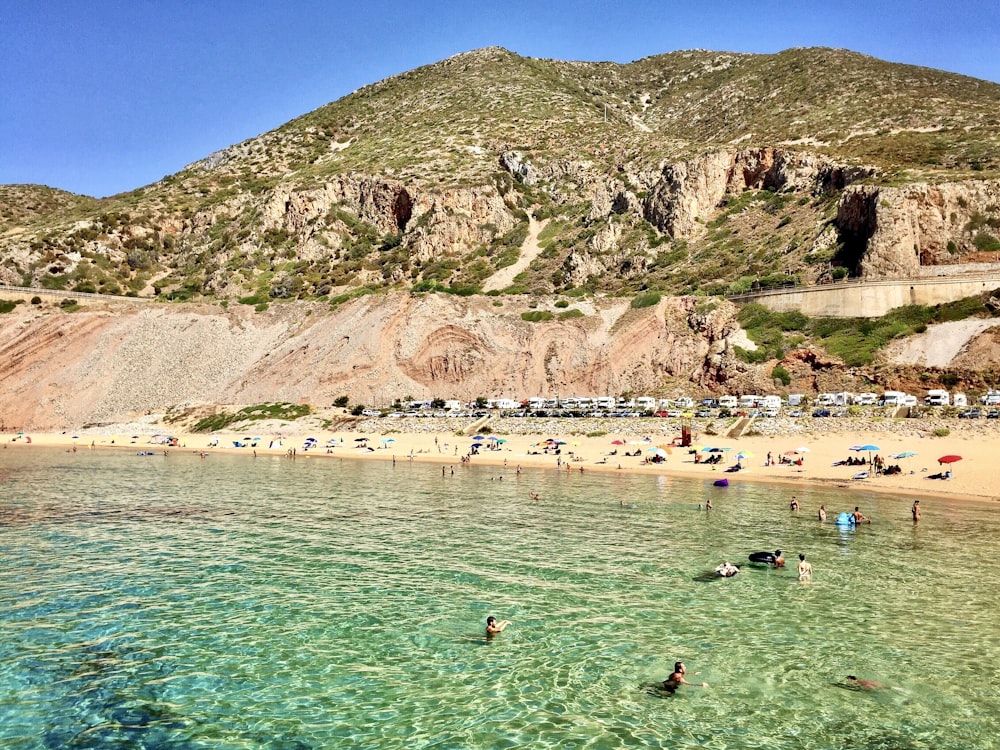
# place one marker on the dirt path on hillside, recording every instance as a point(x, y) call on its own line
point(939, 344)
point(529, 251)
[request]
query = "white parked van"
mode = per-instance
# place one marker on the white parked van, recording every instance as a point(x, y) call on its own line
point(959, 400)
point(866, 399)
point(728, 402)
point(749, 401)
point(771, 403)
point(894, 398)
point(937, 397)
point(990, 398)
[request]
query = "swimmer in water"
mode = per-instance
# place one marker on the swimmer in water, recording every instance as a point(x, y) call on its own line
point(727, 570)
point(863, 684)
point(493, 627)
point(676, 679)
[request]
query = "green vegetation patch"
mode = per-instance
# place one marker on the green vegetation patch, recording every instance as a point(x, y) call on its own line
point(536, 316)
point(855, 340)
point(258, 413)
point(646, 299)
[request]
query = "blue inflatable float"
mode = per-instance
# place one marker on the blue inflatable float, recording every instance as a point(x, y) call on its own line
point(845, 519)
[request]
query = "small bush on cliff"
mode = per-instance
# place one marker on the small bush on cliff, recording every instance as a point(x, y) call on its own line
point(646, 299)
point(536, 316)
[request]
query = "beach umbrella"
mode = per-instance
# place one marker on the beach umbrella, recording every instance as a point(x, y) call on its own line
point(868, 448)
point(707, 449)
point(388, 440)
point(478, 437)
point(801, 449)
point(360, 439)
point(904, 454)
point(743, 455)
point(618, 442)
point(949, 459)
point(659, 452)
point(492, 437)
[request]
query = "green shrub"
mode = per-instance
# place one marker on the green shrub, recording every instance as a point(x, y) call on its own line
point(986, 242)
point(646, 299)
point(536, 316)
point(570, 314)
point(780, 373)
point(942, 432)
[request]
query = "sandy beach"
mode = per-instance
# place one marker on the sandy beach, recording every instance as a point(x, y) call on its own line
point(806, 458)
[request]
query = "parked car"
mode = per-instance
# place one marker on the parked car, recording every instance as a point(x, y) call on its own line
point(993, 414)
point(970, 414)
point(703, 414)
point(821, 413)
point(796, 413)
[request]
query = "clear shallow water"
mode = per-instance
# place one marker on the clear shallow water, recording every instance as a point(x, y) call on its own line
point(151, 602)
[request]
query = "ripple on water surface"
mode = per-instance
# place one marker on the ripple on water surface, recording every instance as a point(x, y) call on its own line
point(239, 603)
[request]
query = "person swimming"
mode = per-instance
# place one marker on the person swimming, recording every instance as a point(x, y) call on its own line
point(727, 570)
point(676, 679)
point(493, 627)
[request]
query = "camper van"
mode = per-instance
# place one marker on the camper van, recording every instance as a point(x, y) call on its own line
point(749, 401)
point(772, 403)
point(728, 402)
point(937, 397)
point(866, 399)
point(645, 403)
point(894, 398)
point(990, 398)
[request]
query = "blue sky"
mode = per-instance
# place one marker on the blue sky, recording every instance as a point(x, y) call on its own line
point(105, 96)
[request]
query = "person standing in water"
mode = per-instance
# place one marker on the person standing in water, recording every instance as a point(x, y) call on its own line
point(822, 513)
point(805, 568)
point(915, 510)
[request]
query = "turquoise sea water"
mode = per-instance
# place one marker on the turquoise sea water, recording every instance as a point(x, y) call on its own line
point(231, 602)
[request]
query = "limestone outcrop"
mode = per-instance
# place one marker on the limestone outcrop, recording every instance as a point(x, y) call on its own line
point(890, 232)
point(689, 191)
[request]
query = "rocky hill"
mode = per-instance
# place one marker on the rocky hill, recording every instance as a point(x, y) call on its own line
point(692, 172)
point(559, 187)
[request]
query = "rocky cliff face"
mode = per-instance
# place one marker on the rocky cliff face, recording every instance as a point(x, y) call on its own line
point(689, 191)
point(107, 365)
point(889, 232)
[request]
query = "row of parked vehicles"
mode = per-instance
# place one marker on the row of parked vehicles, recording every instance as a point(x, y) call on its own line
point(825, 405)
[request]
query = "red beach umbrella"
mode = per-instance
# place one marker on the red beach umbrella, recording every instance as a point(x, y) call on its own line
point(949, 459)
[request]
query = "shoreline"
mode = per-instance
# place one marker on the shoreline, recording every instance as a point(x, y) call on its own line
point(605, 453)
